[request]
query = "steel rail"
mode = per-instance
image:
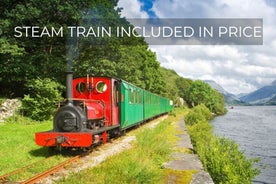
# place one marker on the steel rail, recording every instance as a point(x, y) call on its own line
point(46, 173)
point(7, 175)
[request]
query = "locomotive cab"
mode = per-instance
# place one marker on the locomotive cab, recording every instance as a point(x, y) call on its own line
point(96, 98)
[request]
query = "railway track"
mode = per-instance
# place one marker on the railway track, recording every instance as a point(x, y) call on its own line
point(50, 171)
point(6, 178)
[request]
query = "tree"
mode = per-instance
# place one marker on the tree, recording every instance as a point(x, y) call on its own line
point(219, 106)
point(202, 93)
point(170, 88)
point(183, 86)
point(41, 101)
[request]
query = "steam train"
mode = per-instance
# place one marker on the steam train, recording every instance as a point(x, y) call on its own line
point(98, 108)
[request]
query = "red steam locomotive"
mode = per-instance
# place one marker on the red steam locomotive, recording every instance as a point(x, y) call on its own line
point(98, 108)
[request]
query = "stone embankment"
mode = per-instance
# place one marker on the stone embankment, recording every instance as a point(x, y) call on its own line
point(8, 108)
point(187, 161)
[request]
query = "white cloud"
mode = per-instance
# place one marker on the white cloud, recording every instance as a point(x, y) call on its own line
point(246, 8)
point(238, 69)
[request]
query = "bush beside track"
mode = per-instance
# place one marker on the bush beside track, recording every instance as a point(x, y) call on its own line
point(221, 157)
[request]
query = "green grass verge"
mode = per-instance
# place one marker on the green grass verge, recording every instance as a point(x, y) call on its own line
point(18, 147)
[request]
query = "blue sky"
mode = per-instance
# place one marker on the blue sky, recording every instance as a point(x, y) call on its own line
point(238, 69)
point(146, 6)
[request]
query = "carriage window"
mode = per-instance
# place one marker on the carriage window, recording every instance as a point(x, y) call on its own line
point(101, 87)
point(131, 97)
point(80, 87)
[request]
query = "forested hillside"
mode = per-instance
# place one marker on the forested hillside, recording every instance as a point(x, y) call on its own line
point(27, 61)
point(193, 92)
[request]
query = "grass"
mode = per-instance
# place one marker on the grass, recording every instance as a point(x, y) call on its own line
point(18, 146)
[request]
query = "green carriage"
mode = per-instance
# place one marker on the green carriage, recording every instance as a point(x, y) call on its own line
point(131, 105)
point(138, 105)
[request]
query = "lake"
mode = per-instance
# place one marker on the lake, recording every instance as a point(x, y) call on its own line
point(254, 129)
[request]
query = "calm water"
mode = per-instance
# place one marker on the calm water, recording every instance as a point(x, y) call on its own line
point(254, 129)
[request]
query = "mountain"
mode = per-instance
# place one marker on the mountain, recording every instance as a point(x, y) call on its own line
point(241, 95)
point(216, 86)
point(229, 97)
point(263, 96)
point(272, 101)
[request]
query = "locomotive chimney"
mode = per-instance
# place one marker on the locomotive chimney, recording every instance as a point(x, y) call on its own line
point(69, 89)
point(71, 55)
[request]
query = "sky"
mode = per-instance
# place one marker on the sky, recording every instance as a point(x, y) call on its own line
point(238, 69)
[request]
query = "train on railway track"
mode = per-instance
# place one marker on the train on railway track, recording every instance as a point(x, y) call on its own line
point(99, 108)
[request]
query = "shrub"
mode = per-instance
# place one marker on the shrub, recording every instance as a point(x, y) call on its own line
point(40, 103)
point(198, 114)
point(221, 157)
point(202, 109)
